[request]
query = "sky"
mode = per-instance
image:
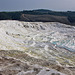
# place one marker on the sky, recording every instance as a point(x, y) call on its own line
point(17, 5)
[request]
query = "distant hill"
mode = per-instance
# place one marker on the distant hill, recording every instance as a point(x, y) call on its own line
point(40, 15)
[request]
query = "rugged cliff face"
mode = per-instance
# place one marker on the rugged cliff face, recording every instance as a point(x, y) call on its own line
point(49, 44)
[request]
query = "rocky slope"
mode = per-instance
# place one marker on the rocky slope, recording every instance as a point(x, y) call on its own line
point(48, 44)
point(44, 18)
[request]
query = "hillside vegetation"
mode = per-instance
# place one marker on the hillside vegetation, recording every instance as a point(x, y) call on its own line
point(40, 15)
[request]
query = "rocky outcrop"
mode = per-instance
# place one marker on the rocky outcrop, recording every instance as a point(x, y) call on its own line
point(19, 63)
point(12, 66)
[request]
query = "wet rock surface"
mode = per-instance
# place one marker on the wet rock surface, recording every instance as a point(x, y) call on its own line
point(21, 66)
point(12, 66)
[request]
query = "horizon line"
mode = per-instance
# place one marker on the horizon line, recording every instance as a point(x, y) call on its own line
point(35, 9)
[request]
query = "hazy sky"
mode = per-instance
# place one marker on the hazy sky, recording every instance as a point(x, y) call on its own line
point(7, 5)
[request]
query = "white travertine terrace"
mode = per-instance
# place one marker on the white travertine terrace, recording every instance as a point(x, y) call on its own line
point(48, 40)
point(20, 35)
